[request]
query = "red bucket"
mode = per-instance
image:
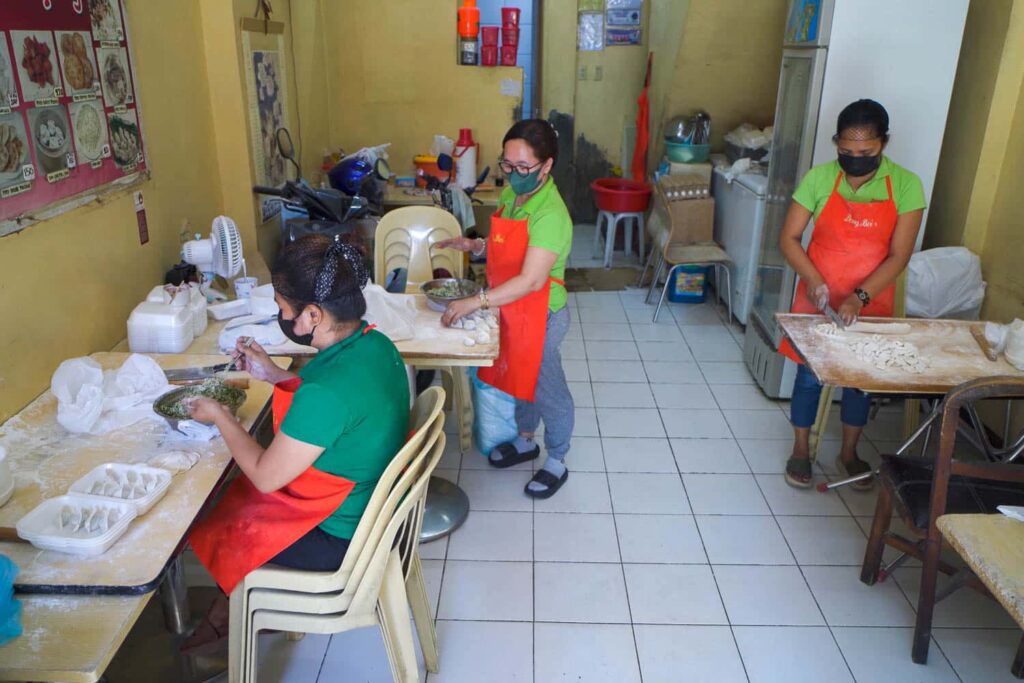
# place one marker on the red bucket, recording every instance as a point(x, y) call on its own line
point(619, 195)
point(509, 37)
point(508, 55)
point(489, 55)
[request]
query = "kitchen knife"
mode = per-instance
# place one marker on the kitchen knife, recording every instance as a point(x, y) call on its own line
point(830, 312)
point(189, 374)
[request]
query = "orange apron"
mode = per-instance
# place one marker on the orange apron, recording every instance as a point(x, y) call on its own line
point(248, 528)
point(522, 323)
point(849, 242)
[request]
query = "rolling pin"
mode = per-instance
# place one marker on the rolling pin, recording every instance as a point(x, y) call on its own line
point(9, 533)
point(986, 348)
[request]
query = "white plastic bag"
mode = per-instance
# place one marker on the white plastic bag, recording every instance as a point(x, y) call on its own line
point(78, 386)
point(494, 416)
point(945, 283)
point(393, 314)
point(92, 401)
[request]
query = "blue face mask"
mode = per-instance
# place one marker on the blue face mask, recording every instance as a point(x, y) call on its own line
point(521, 184)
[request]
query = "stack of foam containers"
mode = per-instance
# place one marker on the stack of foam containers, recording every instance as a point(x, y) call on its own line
point(164, 323)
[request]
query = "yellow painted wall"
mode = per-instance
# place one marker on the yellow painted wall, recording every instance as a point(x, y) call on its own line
point(68, 284)
point(728, 63)
point(978, 202)
point(393, 77)
point(667, 27)
point(980, 56)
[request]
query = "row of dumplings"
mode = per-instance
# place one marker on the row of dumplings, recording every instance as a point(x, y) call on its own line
point(90, 521)
point(128, 486)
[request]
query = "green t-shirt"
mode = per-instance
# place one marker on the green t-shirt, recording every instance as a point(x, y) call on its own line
point(550, 228)
point(354, 403)
point(816, 187)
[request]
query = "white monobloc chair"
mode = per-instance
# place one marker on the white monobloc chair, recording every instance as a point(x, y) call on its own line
point(379, 580)
point(404, 239)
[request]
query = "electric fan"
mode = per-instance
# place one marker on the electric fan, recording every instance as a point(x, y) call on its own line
point(221, 254)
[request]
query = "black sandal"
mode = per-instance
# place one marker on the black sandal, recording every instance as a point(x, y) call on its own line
point(854, 468)
point(548, 480)
point(510, 456)
point(798, 473)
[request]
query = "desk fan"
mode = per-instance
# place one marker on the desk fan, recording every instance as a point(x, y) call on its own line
point(221, 254)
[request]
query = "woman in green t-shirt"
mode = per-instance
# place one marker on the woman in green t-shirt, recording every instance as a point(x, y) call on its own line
point(299, 500)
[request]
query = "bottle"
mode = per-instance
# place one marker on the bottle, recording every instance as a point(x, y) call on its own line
point(468, 27)
point(465, 159)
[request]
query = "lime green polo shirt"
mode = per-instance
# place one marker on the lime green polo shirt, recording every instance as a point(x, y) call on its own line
point(550, 228)
point(816, 187)
point(353, 403)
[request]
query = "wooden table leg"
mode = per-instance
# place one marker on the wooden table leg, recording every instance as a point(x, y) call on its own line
point(821, 421)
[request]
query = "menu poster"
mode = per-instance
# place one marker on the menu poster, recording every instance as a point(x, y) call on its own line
point(69, 120)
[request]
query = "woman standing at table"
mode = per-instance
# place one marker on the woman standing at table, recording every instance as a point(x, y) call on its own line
point(528, 245)
point(867, 212)
point(339, 422)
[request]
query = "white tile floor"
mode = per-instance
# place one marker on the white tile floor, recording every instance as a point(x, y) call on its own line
point(675, 552)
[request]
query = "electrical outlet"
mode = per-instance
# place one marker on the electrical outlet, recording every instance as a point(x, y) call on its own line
point(598, 73)
point(583, 73)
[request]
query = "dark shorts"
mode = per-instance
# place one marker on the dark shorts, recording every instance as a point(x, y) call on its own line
point(317, 551)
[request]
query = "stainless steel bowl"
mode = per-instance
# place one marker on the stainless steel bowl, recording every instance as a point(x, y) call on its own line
point(467, 289)
point(232, 397)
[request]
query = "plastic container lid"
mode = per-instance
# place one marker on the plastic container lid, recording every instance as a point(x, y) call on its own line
point(137, 485)
point(54, 524)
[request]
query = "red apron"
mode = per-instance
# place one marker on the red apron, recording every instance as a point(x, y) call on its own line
point(522, 323)
point(248, 528)
point(849, 242)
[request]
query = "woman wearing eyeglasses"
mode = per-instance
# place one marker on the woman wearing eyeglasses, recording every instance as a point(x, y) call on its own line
point(528, 245)
point(867, 211)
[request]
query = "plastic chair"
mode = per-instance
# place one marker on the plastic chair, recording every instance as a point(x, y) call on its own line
point(678, 255)
point(289, 590)
point(611, 221)
point(404, 239)
point(923, 489)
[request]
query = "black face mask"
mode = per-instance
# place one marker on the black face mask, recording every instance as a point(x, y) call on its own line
point(288, 327)
point(859, 166)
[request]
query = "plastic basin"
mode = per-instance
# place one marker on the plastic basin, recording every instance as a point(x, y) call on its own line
point(619, 195)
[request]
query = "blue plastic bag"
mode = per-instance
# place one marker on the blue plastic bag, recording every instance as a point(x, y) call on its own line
point(10, 609)
point(494, 414)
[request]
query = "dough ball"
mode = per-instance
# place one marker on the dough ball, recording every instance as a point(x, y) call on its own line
point(469, 341)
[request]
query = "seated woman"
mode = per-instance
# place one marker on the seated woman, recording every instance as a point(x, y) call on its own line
point(298, 502)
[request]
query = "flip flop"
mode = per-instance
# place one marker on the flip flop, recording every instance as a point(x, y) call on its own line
point(852, 469)
point(510, 457)
point(548, 480)
point(798, 473)
point(208, 638)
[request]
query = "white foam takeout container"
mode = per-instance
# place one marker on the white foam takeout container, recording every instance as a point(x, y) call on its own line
point(156, 480)
point(42, 527)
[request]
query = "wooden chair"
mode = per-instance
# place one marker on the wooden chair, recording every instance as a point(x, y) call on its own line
point(386, 587)
point(921, 490)
point(405, 238)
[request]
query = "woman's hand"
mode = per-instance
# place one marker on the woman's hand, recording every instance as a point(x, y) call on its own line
point(458, 243)
point(850, 309)
point(459, 309)
point(818, 296)
point(206, 410)
point(257, 362)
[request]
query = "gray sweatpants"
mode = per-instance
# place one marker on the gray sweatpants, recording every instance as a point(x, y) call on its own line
point(552, 402)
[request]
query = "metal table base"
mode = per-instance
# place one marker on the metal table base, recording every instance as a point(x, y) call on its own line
point(446, 509)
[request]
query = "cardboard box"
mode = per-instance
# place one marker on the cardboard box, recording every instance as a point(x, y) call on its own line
point(690, 220)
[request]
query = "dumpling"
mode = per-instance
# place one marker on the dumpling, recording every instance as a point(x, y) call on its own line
point(65, 516)
point(97, 488)
point(74, 519)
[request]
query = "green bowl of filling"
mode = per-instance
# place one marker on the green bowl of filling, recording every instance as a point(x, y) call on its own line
point(443, 291)
point(174, 405)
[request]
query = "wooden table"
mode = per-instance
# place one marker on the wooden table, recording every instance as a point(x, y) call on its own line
point(415, 196)
point(435, 345)
point(72, 638)
point(69, 638)
point(953, 354)
point(993, 547)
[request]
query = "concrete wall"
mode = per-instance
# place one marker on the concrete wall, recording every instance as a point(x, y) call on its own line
point(394, 78)
point(978, 202)
point(728, 63)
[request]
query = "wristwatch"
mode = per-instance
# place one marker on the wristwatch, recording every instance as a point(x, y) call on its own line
point(864, 297)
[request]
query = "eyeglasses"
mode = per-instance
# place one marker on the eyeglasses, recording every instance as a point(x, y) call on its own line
point(508, 168)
